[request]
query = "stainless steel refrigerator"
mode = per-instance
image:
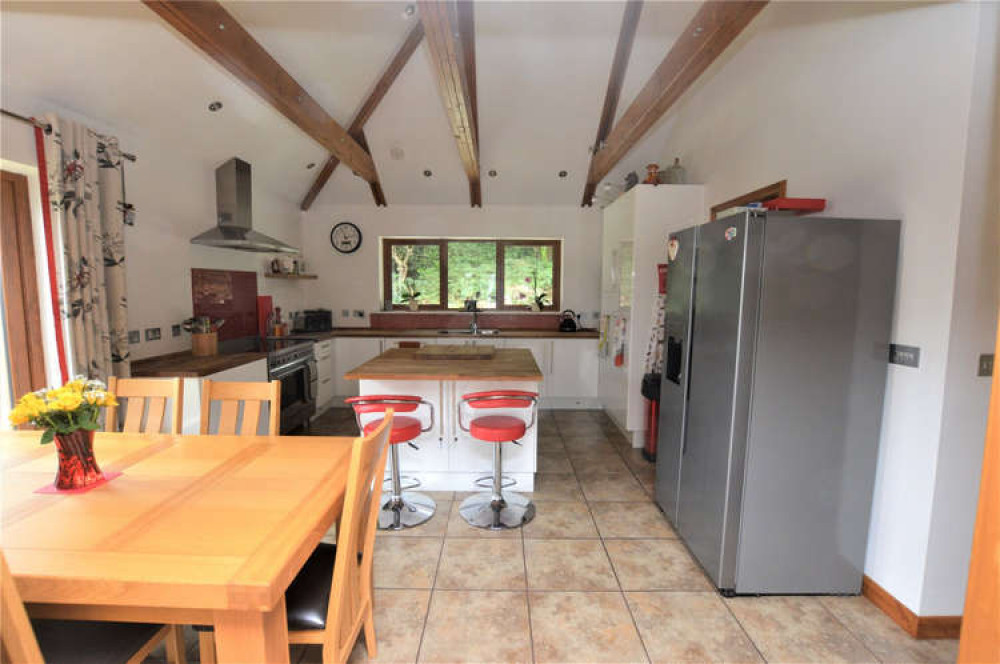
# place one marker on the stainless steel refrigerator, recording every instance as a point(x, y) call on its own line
point(776, 346)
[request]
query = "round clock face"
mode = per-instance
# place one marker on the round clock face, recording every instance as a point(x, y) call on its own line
point(345, 237)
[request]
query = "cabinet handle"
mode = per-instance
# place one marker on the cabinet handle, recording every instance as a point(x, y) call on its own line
point(326, 380)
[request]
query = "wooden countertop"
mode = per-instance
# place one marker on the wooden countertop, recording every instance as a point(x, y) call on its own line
point(433, 333)
point(402, 364)
point(186, 365)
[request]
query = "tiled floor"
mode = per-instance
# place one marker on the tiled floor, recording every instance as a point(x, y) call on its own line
point(598, 576)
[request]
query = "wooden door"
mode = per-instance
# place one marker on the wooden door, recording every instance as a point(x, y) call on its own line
point(981, 620)
point(20, 287)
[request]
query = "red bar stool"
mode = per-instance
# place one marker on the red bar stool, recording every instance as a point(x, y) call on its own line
point(497, 510)
point(402, 508)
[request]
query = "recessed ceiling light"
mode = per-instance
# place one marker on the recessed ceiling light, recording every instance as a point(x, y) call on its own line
point(563, 174)
point(311, 164)
point(607, 185)
point(492, 173)
point(215, 106)
point(396, 153)
point(409, 11)
point(427, 173)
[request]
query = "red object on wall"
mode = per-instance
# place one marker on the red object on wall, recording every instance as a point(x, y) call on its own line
point(661, 272)
point(652, 430)
point(227, 294)
point(796, 204)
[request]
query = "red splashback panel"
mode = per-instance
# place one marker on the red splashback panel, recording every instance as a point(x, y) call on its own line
point(457, 319)
point(228, 294)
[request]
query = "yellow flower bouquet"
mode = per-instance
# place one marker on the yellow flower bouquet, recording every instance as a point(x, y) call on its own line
point(69, 416)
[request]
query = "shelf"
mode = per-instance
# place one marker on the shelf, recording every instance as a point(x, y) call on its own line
point(268, 275)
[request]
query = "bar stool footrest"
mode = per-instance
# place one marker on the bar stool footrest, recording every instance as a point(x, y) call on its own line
point(486, 482)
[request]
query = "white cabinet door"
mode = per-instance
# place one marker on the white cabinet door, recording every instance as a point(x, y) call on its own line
point(323, 351)
point(348, 353)
point(574, 370)
point(541, 349)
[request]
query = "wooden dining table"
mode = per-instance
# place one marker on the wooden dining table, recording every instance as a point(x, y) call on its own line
point(203, 530)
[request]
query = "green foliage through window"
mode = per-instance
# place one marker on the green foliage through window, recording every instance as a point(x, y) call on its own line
point(498, 274)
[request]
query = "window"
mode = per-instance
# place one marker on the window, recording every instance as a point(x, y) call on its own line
point(443, 273)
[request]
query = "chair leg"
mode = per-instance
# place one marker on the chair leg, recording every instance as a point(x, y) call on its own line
point(175, 645)
point(370, 633)
point(206, 647)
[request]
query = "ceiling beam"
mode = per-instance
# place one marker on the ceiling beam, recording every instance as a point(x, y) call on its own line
point(214, 30)
point(450, 29)
point(626, 37)
point(714, 27)
point(399, 60)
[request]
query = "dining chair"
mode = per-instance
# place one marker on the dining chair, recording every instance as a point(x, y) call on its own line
point(76, 641)
point(251, 396)
point(149, 397)
point(329, 602)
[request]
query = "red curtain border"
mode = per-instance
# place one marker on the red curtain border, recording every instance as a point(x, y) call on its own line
point(43, 183)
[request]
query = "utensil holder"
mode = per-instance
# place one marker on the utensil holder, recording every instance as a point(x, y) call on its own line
point(204, 344)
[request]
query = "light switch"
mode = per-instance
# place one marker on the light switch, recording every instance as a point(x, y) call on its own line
point(906, 356)
point(985, 364)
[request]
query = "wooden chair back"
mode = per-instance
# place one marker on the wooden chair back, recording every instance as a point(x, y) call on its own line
point(351, 595)
point(17, 639)
point(251, 396)
point(149, 397)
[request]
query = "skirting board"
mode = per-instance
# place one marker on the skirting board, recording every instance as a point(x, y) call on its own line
point(919, 627)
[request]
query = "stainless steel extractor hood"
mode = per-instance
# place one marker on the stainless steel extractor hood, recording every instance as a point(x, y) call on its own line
point(233, 203)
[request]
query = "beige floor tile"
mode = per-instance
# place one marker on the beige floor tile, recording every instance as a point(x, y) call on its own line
point(555, 486)
point(583, 627)
point(481, 564)
point(457, 526)
point(485, 626)
point(689, 627)
point(557, 520)
point(434, 527)
point(582, 445)
point(399, 622)
point(552, 460)
point(568, 565)
point(655, 565)
point(587, 467)
point(612, 488)
point(883, 637)
point(406, 562)
point(636, 520)
point(797, 629)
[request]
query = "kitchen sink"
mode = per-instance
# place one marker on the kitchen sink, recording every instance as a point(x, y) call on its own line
point(468, 333)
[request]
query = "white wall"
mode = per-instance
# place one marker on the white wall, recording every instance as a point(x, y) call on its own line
point(867, 105)
point(973, 326)
point(174, 195)
point(352, 281)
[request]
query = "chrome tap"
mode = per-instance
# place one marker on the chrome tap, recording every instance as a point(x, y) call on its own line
point(474, 325)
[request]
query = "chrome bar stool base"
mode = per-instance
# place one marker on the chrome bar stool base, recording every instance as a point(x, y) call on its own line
point(405, 511)
point(511, 510)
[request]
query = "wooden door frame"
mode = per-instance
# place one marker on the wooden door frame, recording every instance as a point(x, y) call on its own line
point(20, 287)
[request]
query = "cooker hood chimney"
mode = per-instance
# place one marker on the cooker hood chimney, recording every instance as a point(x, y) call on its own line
point(235, 217)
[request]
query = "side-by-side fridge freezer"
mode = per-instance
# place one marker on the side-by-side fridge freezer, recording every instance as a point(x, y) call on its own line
point(775, 359)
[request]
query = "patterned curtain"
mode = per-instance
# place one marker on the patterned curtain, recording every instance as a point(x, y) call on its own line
point(89, 216)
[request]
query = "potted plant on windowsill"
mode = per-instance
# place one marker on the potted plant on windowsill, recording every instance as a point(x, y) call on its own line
point(68, 415)
point(410, 297)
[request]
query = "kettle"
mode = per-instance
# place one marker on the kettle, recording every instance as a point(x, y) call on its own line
point(568, 322)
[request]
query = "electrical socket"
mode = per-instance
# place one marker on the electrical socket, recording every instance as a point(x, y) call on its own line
point(152, 334)
point(175, 330)
point(985, 365)
point(133, 336)
point(345, 313)
point(359, 313)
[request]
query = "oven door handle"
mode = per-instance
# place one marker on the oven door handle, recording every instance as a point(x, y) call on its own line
point(285, 370)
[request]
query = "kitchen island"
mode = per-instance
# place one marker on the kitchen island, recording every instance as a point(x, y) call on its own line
point(448, 458)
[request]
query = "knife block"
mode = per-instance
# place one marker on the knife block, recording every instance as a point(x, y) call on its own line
point(204, 344)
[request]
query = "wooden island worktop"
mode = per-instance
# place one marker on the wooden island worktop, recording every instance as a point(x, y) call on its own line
point(507, 364)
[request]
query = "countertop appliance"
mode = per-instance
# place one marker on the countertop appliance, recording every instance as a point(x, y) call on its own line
point(293, 363)
point(313, 320)
point(776, 351)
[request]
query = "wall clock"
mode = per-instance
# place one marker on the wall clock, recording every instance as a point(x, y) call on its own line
point(345, 237)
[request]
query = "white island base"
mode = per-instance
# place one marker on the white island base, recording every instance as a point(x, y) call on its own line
point(449, 459)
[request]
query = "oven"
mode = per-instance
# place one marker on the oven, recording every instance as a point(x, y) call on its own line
point(294, 365)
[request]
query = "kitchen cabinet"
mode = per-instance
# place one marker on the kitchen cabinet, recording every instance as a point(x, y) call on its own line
point(325, 375)
point(572, 379)
point(349, 352)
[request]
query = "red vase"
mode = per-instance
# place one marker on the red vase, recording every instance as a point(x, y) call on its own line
point(77, 466)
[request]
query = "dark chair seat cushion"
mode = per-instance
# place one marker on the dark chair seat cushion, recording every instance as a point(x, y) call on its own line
point(308, 596)
point(90, 642)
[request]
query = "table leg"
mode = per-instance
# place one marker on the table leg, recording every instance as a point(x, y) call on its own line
point(252, 636)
